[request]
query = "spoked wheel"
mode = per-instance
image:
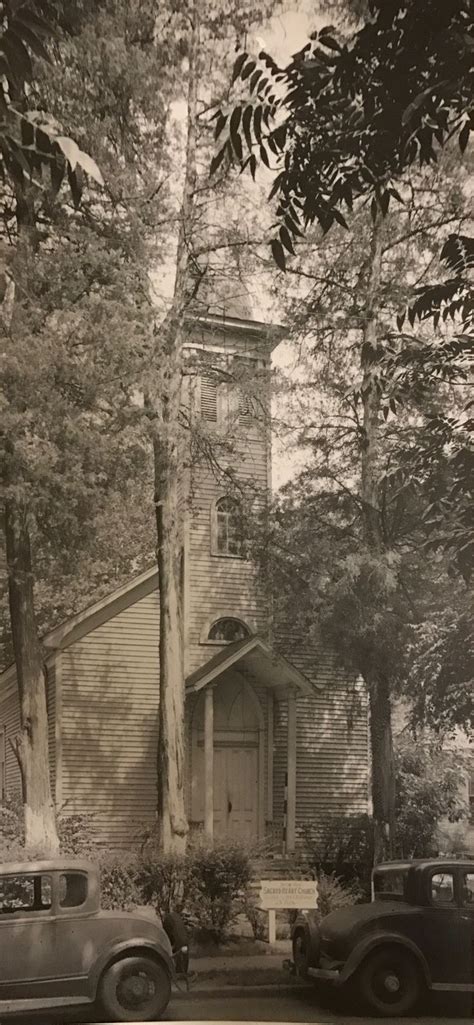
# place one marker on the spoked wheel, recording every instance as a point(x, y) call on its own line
point(301, 953)
point(135, 989)
point(389, 982)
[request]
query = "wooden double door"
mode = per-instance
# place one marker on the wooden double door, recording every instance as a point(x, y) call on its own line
point(236, 761)
point(235, 789)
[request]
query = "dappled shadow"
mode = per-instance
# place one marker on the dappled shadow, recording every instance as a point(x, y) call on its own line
point(109, 730)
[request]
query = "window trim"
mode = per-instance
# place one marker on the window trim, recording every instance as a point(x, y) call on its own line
point(233, 619)
point(241, 556)
point(249, 625)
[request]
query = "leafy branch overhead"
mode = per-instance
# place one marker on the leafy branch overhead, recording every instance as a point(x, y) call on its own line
point(345, 118)
point(31, 142)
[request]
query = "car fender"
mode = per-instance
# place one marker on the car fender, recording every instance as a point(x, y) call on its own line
point(311, 928)
point(131, 946)
point(385, 939)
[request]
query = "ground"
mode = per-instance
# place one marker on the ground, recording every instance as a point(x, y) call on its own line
point(296, 1006)
point(265, 1004)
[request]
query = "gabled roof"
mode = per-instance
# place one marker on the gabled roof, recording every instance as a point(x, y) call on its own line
point(254, 658)
point(72, 629)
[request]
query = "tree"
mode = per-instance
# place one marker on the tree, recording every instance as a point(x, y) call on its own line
point(348, 547)
point(126, 119)
point(428, 777)
point(344, 120)
point(57, 390)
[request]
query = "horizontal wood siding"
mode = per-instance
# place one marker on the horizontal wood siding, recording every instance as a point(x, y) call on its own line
point(51, 707)
point(109, 723)
point(10, 719)
point(332, 746)
point(219, 585)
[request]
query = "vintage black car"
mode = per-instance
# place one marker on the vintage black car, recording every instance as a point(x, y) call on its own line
point(417, 934)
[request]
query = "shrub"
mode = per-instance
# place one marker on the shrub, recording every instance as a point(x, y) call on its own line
point(118, 882)
point(165, 881)
point(11, 829)
point(219, 877)
point(334, 894)
point(75, 836)
point(345, 848)
point(256, 918)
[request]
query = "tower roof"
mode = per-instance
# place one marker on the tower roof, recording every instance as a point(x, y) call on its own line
point(223, 299)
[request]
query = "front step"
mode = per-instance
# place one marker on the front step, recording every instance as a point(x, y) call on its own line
point(281, 867)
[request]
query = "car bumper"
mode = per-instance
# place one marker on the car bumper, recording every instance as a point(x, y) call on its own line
point(327, 971)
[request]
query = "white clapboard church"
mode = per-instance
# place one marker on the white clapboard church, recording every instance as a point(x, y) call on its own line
point(276, 731)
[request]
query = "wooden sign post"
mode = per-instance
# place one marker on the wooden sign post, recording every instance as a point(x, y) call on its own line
point(286, 894)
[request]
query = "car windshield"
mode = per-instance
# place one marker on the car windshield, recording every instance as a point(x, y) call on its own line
point(390, 884)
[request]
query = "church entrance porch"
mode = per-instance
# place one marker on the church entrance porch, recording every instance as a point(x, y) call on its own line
point(231, 732)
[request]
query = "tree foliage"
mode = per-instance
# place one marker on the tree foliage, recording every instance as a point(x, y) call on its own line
point(344, 119)
point(33, 145)
point(428, 790)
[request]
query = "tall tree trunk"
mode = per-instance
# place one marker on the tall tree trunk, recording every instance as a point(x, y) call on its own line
point(31, 745)
point(164, 405)
point(383, 790)
point(383, 770)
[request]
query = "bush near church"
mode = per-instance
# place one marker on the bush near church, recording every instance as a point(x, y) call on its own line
point(206, 885)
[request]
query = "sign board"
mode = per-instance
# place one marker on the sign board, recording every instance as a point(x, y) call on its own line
point(299, 894)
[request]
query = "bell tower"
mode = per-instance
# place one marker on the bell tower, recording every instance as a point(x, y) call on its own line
point(228, 475)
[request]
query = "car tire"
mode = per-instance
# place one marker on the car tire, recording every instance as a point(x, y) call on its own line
point(302, 953)
point(389, 982)
point(135, 989)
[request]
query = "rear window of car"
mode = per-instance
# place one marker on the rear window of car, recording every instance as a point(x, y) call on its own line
point(24, 893)
point(390, 884)
point(72, 889)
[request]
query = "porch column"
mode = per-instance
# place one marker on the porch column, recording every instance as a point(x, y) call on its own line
point(209, 762)
point(291, 774)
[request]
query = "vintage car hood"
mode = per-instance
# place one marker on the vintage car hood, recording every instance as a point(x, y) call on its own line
point(342, 922)
point(141, 921)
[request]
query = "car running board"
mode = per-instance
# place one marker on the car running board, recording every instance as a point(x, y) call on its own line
point(40, 1004)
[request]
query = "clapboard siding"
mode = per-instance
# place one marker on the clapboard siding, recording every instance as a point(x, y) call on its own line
point(10, 719)
point(109, 723)
point(332, 743)
point(51, 707)
point(219, 585)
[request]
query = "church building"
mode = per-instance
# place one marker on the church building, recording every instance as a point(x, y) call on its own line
point(276, 730)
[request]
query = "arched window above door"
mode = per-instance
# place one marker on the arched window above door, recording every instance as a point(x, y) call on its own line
point(228, 630)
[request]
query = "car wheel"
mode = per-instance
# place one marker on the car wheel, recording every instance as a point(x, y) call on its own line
point(301, 953)
point(389, 982)
point(135, 989)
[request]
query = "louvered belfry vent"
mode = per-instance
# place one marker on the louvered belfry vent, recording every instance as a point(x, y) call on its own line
point(209, 398)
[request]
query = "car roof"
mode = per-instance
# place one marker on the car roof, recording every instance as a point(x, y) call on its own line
point(53, 865)
point(424, 863)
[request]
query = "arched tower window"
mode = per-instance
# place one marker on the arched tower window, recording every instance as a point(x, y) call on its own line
point(228, 630)
point(228, 533)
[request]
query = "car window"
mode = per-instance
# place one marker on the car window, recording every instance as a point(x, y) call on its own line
point(72, 889)
point(442, 888)
point(390, 884)
point(468, 888)
point(24, 893)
